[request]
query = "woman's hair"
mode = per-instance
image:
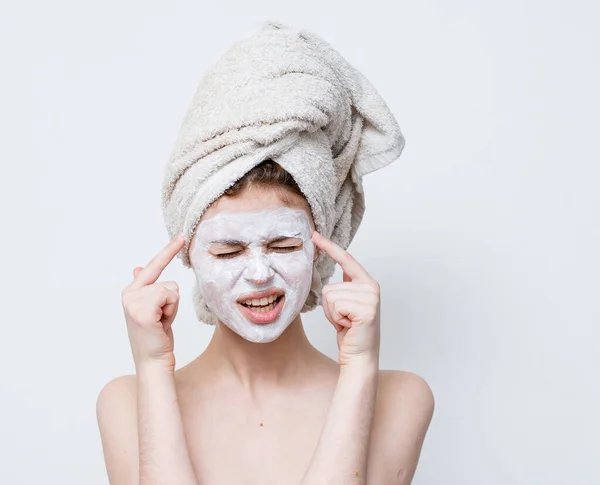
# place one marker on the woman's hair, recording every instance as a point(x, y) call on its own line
point(266, 174)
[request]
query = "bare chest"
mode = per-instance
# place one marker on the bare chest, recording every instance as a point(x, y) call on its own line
point(240, 445)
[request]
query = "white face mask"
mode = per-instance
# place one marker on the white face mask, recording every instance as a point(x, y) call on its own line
point(266, 256)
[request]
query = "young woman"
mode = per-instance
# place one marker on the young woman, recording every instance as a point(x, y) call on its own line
point(260, 405)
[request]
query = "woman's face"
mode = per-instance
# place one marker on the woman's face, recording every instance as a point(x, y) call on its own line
point(253, 259)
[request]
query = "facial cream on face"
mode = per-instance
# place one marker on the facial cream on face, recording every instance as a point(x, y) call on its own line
point(254, 269)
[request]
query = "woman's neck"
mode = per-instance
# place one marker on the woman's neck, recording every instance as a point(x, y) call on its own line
point(284, 360)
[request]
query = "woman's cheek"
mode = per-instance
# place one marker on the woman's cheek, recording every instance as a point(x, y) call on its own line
point(222, 275)
point(211, 293)
point(293, 268)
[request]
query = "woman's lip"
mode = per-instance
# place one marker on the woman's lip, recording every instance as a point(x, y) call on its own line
point(262, 318)
point(257, 295)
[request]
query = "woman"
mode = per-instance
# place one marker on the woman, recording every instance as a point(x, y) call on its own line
point(260, 405)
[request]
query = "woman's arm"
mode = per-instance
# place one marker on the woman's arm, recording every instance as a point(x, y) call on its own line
point(150, 309)
point(161, 456)
point(142, 431)
point(353, 309)
point(117, 421)
point(341, 454)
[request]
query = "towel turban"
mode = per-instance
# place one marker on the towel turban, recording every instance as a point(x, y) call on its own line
point(286, 95)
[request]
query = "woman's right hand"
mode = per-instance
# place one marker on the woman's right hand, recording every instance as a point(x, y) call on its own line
point(150, 309)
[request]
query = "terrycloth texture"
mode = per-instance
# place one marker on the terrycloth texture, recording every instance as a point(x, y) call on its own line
point(286, 95)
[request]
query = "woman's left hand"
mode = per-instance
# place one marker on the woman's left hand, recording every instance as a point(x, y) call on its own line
point(352, 306)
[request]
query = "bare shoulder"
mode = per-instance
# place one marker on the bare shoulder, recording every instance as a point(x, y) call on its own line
point(116, 412)
point(404, 409)
point(405, 403)
point(117, 393)
point(409, 390)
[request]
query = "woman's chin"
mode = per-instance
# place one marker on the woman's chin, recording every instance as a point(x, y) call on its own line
point(263, 339)
point(262, 333)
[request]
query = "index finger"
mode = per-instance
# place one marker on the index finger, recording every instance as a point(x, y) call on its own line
point(155, 267)
point(350, 266)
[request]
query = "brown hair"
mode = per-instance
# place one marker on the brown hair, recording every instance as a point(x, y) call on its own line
point(266, 174)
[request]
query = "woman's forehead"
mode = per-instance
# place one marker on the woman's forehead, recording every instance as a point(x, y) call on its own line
point(252, 225)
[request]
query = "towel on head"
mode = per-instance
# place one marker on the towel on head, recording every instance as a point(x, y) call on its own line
point(286, 95)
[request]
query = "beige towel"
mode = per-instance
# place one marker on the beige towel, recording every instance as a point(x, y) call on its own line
point(282, 94)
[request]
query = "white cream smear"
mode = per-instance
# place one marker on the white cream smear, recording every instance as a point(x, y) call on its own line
point(237, 254)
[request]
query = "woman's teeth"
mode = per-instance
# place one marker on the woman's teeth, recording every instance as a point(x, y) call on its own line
point(262, 305)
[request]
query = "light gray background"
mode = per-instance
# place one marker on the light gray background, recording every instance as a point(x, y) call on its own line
point(484, 235)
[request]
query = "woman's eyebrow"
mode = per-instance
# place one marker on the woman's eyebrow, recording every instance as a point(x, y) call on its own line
point(284, 238)
point(228, 242)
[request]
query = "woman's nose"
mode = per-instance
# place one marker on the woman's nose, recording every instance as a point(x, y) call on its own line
point(259, 270)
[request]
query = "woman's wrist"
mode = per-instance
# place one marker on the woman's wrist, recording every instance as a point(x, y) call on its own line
point(360, 376)
point(156, 366)
point(363, 364)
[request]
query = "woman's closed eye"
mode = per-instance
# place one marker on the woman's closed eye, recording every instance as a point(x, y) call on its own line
point(228, 255)
point(226, 249)
point(284, 249)
point(286, 245)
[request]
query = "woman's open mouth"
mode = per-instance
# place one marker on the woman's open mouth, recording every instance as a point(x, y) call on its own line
point(262, 309)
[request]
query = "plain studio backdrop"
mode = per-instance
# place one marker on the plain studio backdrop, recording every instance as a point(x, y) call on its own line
point(484, 235)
